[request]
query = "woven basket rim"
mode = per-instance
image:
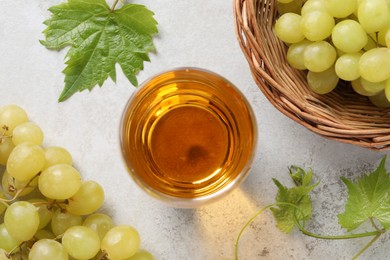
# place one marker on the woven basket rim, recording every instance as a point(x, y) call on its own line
point(342, 115)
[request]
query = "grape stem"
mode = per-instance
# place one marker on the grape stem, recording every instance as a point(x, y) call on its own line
point(5, 201)
point(59, 237)
point(374, 40)
point(14, 197)
point(114, 5)
point(101, 256)
point(380, 230)
point(3, 135)
point(366, 246)
point(247, 224)
point(50, 204)
point(9, 254)
point(377, 233)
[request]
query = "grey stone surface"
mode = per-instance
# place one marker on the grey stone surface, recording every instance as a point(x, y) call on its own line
point(192, 33)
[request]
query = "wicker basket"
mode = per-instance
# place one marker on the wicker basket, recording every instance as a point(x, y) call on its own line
point(340, 115)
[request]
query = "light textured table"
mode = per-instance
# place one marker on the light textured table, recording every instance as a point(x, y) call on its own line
point(192, 33)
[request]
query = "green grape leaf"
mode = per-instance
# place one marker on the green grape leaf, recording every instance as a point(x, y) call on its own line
point(287, 215)
point(99, 38)
point(368, 198)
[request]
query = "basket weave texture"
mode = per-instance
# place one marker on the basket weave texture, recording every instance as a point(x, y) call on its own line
point(341, 115)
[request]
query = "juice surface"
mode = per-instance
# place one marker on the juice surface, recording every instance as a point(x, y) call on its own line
point(189, 144)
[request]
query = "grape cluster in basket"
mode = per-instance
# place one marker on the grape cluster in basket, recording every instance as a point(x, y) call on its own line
point(47, 211)
point(339, 39)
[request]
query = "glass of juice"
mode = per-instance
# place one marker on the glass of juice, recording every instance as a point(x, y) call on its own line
point(188, 136)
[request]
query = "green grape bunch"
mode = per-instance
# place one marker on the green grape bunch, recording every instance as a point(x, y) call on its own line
point(337, 40)
point(47, 211)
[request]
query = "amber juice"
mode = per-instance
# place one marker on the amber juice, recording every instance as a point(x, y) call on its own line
point(187, 136)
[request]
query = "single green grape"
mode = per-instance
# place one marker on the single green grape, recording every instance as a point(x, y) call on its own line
point(357, 86)
point(57, 155)
point(317, 25)
point(25, 161)
point(100, 223)
point(61, 221)
point(6, 147)
point(349, 36)
point(347, 66)
point(81, 242)
point(380, 100)
point(142, 255)
point(11, 186)
point(88, 199)
point(387, 89)
point(11, 116)
point(322, 82)
point(292, 7)
point(27, 132)
point(287, 28)
point(7, 242)
point(319, 56)
point(374, 65)
point(21, 219)
point(59, 182)
point(3, 207)
point(373, 15)
point(313, 5)
point(295, 54)
point(121, 242)
point(47, 249)
point(340, 9)
point(45, 213)
point(372, 87)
